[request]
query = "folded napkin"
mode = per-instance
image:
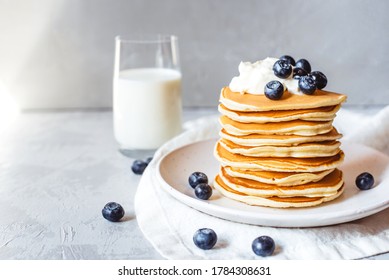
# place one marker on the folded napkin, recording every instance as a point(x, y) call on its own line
point(169, 224)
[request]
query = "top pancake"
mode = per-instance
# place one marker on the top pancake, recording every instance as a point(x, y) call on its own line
point(258, 103)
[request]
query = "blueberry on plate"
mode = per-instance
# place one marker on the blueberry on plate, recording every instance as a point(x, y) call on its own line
point(304, 64)
point(274, 90)
point(320, 78)
point(139, 166)
point(282, 69)
point(307, 84)
point(298, 73)
point(364, 181)
point(203, 191)
point(113, 211)
point(288, 59)
point(197, 178)
point(205, 238)
point(263, 246)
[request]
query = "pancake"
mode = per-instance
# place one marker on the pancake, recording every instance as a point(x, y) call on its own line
point(327, 186)
point(277, 178)
point(274, 201)
point(316, 114)
point(258, 103)
point(296, 127)
point(281, 164)
point(278, 140)
point(306, 150)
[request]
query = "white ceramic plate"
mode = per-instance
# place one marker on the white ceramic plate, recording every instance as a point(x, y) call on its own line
point(174, 169)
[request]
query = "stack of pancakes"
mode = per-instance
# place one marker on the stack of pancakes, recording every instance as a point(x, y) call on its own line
point(282, 153)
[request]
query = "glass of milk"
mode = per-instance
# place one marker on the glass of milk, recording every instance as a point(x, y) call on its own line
point(146, 93)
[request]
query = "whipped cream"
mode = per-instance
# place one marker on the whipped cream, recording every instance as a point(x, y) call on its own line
point(253, 78)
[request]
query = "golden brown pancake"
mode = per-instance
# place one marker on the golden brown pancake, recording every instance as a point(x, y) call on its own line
point(278, 140)
point(296, 127)
point(249, 102)
point(287, 164)
point(305, 150)
point(277, 178)
point(274, 201)
point(327, 186)
point(316, 114)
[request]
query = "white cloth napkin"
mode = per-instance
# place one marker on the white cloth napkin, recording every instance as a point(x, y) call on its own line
point(169, 224)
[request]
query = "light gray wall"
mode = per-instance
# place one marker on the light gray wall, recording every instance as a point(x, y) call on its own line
point(59, 54)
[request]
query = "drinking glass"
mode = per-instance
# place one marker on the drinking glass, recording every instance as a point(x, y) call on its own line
point(147, 108)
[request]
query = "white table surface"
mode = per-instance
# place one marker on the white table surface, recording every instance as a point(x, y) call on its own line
point(57, 171)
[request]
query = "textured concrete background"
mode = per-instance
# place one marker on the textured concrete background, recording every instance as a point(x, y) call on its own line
point(59, 54)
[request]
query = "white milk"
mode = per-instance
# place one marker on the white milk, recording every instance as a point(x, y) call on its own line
point(147, 107)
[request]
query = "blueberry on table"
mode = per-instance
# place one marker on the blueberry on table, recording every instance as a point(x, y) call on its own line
point(304, 64)
point(113, 211)
point(197, 178)
point(364, 181)
point(274, 90)
point(307, 84)
point(282, 69)
point(263, 246)
point(290, 60)
point(298, 73)
point(205, 238)
point(203, 191)
point(320, 78)
point(139, 166)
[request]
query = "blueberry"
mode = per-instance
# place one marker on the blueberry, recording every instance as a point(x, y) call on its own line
point(304, 64)
point(282, 69)
point(274, 90)
point(203, 191)
point(148, 160)
point(364, 181)
point(298, 73)
point(320, 78)
point(288, 59)
point(139, 166)
point(205, 238)
point(307, 84)
point(113, 211)
point(197, 178)
point(263, 246)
